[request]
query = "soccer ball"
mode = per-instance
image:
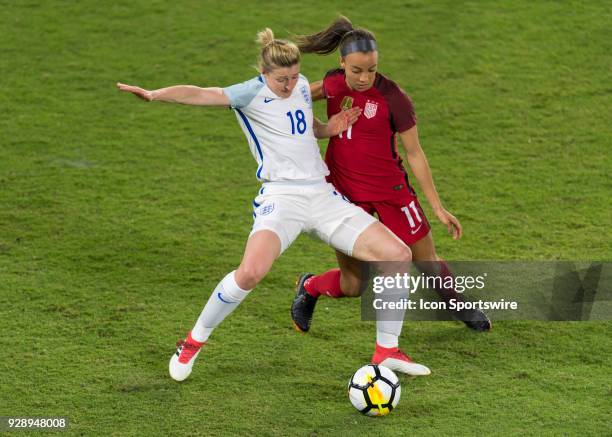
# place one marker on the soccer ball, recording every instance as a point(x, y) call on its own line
point(374, 390)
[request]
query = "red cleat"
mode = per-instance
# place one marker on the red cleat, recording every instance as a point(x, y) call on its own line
point(182, 361)
point(398, 361)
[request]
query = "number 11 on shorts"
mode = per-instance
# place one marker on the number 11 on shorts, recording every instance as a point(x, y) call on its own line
point(409, 214)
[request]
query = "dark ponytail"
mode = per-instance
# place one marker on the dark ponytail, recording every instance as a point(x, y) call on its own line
point(337, 34)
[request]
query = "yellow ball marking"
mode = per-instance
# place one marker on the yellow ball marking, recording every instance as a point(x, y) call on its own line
point(377, 398)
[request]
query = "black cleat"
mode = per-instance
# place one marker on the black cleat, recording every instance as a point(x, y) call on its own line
point(475, 319)
point(303, 305)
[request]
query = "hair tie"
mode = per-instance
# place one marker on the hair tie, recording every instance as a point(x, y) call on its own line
point(359, 45)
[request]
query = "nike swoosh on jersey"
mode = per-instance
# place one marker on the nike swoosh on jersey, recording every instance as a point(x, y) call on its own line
point(416, 230)
point(266, 100)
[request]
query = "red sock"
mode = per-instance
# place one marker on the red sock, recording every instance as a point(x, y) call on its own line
point(385, 350)
point(327, 283)
point(191, 340)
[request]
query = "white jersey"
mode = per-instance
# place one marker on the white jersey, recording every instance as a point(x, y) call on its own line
point(279, 130)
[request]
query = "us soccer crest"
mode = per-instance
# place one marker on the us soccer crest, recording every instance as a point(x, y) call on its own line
point(370, 109)
point(306, 94)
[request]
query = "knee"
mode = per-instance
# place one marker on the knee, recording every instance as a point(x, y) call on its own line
point(399, 252)
point(248, 275)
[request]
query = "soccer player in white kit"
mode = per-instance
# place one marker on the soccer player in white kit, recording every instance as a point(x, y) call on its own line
point(275, 112)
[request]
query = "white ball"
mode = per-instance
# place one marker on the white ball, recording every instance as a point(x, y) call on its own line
point(374, 390)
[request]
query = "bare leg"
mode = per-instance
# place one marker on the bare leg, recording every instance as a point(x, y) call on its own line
point(424, 249)
point(378, 243)
point(375, 243)
point(351, 274)
point(260, 252)
point(428, 262)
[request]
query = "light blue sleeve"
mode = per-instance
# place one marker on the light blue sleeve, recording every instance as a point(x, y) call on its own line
point(241, 94)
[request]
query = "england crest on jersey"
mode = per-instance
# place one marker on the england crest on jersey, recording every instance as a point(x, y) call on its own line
point(266, 209)
point(370, 109)
point(306, 94)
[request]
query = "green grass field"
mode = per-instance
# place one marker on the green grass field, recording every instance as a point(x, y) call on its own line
point(118, 217)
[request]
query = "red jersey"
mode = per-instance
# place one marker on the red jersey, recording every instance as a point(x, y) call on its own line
point(363, 161)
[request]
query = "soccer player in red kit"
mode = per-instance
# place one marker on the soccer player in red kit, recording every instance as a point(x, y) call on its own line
point(366, 168)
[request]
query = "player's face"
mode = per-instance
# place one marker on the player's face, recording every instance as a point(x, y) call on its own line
point(282, 80)
point(360, 69)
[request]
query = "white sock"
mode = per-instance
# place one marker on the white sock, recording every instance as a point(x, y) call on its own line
point(388, 332)
point(224, 299)
point(389, 322)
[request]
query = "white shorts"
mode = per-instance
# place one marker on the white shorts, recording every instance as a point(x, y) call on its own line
point(288, 209)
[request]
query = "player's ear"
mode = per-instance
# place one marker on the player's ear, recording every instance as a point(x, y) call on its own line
point(342, 64)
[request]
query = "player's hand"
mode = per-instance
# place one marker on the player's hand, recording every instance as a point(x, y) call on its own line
point(137, 91)
point(451, 222)
point(342, 120)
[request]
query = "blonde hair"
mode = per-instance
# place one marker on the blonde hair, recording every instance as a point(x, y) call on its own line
point(275, 53)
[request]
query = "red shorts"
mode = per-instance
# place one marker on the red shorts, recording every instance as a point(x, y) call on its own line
point(403, 216)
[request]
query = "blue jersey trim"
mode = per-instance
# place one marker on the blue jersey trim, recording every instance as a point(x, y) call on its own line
point(250, 129)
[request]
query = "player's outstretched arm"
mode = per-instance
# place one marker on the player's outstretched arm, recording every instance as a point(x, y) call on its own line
point(337, 123)
point(420, 168)
point(185, 94)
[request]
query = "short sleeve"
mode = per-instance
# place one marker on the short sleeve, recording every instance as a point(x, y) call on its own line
point(402, 112)
point(241, 94)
